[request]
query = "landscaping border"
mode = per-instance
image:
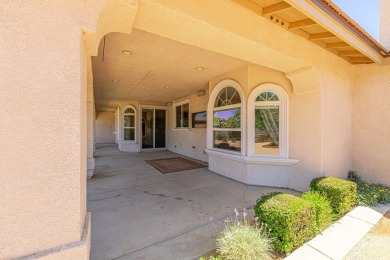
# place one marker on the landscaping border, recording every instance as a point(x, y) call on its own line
point(340, 238)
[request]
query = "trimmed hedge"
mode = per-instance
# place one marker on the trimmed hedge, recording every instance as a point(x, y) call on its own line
point(340, 193)
point(290, 219)
point(324, 213)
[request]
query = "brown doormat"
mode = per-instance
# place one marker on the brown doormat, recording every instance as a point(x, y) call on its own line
point(174, 164)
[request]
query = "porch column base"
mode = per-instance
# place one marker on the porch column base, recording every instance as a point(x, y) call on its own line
point(75, 250)
point(90, 167)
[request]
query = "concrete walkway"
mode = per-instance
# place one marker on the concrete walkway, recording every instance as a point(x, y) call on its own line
point(140, 213)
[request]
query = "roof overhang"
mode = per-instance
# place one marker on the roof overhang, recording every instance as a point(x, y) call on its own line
point(324, 24)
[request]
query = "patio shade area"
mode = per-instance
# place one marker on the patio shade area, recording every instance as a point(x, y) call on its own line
point(139, 213)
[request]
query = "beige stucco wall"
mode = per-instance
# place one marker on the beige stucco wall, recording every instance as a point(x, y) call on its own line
point(105, 127)
point(304, 128)
point(371, 122)
point(384, 33)
point(190, 142)
point(43, 120)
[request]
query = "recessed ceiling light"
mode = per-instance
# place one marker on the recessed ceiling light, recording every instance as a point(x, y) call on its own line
point(166, 87)
point(127, 52)
point(199, 68)
point(115, 80)
point(153, 95)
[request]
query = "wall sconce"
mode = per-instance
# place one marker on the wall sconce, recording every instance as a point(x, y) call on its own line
point(201, 93)
point(169, 104)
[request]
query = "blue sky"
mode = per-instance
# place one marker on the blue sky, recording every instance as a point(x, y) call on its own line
point(364, 12)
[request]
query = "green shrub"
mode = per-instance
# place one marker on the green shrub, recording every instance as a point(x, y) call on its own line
point(324, 213)
point(340, 193)
point(240, 240)
point(369, 194)
point(290, 219)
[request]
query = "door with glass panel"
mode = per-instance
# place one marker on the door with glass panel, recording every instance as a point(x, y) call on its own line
point(153, 128)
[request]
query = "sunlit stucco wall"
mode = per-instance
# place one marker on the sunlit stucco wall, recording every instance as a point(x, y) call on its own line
point(371, 122)
point(105, 127)
point(192, 141)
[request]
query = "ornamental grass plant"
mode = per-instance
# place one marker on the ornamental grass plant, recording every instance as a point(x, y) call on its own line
point(240, 240)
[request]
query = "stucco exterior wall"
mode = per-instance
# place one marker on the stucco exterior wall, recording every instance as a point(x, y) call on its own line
point(384, 33)
point(42, 124)
point(336, 122)
point(371, 122)
point(190, 142)
point(43, 120)
point(105, 127)
point(304, 133)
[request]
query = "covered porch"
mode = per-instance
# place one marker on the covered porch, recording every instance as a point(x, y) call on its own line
point(140, 213)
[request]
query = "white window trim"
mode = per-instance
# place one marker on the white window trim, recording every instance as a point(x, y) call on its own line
point(283, 119)
point(183, 102)
point(210, 113)
point(123, 124)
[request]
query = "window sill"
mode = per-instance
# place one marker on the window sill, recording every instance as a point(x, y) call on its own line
point(181, 128)
point(253, 160)
point(128, 142)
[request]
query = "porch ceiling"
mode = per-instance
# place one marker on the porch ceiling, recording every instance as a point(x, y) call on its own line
point(159, 70)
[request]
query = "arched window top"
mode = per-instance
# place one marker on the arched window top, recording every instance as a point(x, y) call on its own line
point(129, 111)
point(267, 96)
point(227, 96)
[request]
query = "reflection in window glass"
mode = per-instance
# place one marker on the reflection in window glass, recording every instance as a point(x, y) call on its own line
point(227, 118)
point(129, 134)
point(129, 121)
point(178, 116)
point(267, 96)
point(267, 130)
point(228, 140)
point(185, 115)
point(182, 115)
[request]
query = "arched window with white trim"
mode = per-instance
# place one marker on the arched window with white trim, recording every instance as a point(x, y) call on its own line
point(268, 121)
point(225, 117)
point(129, 124)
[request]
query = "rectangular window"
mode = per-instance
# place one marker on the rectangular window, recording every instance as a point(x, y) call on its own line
point(267, 130)
point(182, 113)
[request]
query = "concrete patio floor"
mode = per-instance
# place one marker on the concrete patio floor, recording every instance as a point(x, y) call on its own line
point(140, 213)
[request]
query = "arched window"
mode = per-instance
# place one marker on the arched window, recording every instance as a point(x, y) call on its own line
point(129, 123)
point(226, 113)
point(267, 122)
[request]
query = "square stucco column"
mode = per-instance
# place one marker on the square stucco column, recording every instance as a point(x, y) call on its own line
point(90, 121)
point(43, 130)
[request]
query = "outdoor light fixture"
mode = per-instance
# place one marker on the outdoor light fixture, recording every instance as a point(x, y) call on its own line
point(169, 104)
point(115, 80)
point(201, 93)
point(127, 52)
point(199, 68)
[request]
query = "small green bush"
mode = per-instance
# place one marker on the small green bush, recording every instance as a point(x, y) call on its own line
point(324, 213)
point(289, 218)
point(369, 194)
point(240, 240)
point(340, 193)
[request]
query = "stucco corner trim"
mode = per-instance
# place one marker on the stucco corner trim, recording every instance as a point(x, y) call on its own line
point(254, 160)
